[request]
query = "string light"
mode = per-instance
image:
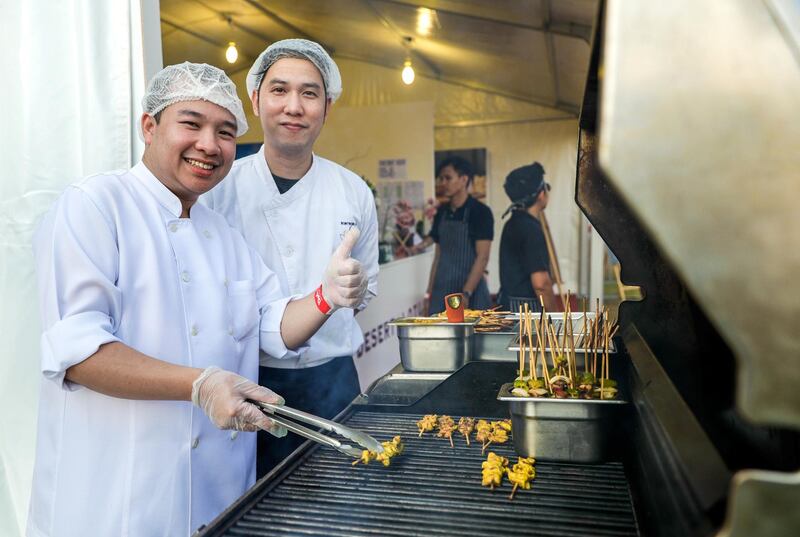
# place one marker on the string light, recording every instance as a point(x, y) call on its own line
point(232, 53)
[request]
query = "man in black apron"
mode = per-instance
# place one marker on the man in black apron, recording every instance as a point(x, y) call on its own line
point(463, 231)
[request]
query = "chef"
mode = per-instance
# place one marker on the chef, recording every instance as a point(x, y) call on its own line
point(293, 207)
point(153, 313)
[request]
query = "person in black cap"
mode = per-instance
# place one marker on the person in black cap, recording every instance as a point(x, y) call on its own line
point(524, 260)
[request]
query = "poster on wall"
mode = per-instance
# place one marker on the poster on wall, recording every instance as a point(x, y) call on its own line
point(477, 158)
point(400, 211)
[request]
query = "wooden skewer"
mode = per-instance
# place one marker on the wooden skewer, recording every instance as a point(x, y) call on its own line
point(543, 343)
point(513, 491)
point(451, 441)
point(583, 339)
point(531, 355)
point(521, 345)
point(467, 437)
point(574, 373)
point(541, 347)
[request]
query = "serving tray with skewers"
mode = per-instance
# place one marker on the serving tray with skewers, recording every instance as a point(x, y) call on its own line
point(585, 336)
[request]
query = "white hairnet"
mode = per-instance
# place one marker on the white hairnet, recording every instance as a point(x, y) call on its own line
point(297, 48)
point(192, 82)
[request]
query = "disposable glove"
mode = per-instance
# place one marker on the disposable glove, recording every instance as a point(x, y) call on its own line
point(344, 284)
point(223, 395)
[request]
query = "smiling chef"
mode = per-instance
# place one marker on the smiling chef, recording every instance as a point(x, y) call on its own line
point(293, 206)
point(153, 313)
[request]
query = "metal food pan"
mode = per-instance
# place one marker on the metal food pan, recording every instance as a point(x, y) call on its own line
point(493, 346)
point(576, 430)
point(435, 347)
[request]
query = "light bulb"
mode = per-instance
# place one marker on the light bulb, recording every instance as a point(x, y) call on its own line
point(408, 73)
point(232, 53)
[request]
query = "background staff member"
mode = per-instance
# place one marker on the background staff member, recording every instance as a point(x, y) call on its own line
point(292, 206)
point(150, 301)
point(463, 231)
point(524, 260)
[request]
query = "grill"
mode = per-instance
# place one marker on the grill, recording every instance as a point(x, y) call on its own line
point(431, 489)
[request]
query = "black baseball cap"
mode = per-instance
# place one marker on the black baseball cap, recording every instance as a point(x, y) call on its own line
point(524, 184)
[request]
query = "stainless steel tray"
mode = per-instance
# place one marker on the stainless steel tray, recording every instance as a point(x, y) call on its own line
point(435, 347)
point(577, 430)
point(493, 346)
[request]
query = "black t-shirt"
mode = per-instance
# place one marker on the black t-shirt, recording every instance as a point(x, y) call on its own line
point(284, 184)
point(523, 251)
point(481, 221)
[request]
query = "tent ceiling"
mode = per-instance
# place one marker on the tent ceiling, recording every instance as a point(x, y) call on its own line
point(536, 51)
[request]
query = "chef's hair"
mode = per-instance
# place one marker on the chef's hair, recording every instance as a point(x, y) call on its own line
point(461, 165)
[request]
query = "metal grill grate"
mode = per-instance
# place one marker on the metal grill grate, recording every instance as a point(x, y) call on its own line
point(433, 489)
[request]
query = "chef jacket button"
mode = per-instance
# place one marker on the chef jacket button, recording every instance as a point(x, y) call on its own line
point(234, 434)
point(207, 233)
point(225, 282)
point(185, 276)
point(194, 330)
point(289, 251)
point(230, 331)
point(195, 442)
point(173, 227)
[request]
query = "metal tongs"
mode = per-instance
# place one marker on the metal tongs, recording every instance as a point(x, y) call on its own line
point(362, 439)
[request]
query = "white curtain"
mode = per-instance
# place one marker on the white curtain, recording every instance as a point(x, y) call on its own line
point(73, 73)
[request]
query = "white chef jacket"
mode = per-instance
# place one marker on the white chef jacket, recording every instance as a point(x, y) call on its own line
point(297, 232)
point(117, 263)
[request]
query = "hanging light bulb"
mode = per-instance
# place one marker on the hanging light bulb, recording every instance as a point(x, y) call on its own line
point(232, 53)
point(408, 73)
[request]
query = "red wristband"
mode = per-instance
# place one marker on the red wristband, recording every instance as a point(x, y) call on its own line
point(319, 300)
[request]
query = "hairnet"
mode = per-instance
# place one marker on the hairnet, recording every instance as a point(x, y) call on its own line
point(192, 82)
point(297, 48)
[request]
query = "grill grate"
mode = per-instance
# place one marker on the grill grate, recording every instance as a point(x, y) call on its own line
point(433, 489)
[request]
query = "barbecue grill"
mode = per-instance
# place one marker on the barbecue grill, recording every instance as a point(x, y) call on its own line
point(432, 488)
point(707, 360)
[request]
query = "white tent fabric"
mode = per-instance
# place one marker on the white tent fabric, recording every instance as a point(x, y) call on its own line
point(74, 74)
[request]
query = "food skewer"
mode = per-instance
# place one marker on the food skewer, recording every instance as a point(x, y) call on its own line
point(391, 449)
point(521, 474)
point(427, 423)
point(465, 427)
point(446, 427)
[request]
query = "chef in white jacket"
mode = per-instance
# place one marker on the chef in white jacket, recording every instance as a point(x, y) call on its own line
point(151, 302)
point(293, 206)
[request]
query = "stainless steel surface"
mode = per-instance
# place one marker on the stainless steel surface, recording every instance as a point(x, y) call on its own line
point(429, 490)
point(493, 346)
point(732, 240)
point(316, 437)
point(280, 413)
point(363, 440)
point(576, 430)
point(438, 347)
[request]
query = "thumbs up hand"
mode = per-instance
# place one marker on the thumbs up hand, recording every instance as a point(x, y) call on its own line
point(344, 284)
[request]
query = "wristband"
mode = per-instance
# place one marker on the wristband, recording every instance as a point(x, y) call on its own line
point(319, 301)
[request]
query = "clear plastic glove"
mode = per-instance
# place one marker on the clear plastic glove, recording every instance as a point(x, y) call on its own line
point(223, 395)
point(345, 284)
